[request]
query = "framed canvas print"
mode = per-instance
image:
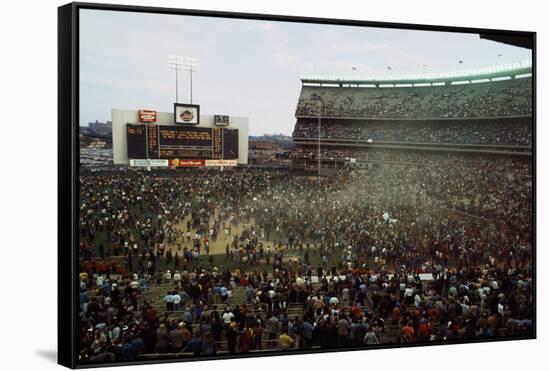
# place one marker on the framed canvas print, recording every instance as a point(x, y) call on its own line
point(242, 185)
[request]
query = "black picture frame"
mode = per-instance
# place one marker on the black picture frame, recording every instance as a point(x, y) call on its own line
point(69, 159)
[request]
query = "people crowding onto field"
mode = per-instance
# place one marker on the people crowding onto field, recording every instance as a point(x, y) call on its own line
point(348, 252)
point(497, 189)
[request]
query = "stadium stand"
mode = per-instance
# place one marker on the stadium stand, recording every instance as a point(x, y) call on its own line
point(344, 120)
point(490, 99)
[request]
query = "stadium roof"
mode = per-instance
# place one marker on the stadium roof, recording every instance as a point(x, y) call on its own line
point(473, 75)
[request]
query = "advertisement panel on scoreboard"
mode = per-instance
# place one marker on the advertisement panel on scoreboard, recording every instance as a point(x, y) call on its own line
point(220, 162)
point(146, 115)
point(148, 163)
point(176, 162)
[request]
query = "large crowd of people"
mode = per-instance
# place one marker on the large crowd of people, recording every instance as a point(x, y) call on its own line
point(484, 132)
point(350, 252)
point(491, 99)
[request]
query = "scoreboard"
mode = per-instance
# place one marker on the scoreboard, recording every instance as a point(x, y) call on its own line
point(183, 142)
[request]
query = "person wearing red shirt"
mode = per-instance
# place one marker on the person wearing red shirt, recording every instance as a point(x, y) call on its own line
point(245, 341)
point(408, 332)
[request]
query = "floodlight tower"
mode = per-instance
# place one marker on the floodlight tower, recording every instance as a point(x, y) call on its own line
point(192, 65)
point(176, 63)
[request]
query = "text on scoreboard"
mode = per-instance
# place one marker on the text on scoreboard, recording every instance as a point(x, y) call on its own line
point(168, 141)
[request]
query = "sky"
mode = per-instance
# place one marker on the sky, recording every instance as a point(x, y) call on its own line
point(251, 68)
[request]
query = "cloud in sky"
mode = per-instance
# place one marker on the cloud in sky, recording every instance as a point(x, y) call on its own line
point(250, 68)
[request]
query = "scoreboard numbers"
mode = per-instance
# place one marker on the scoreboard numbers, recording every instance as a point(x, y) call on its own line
point(169, 142)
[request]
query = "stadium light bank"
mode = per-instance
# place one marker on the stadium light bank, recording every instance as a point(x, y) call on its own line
point(492, 73)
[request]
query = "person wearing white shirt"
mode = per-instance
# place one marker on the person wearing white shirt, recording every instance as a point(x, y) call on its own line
point(177, 301)
point(408, 295)
point(417, 300)
point(227, 317)
point(169, 300)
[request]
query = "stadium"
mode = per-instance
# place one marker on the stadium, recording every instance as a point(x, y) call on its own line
point(403, 216)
